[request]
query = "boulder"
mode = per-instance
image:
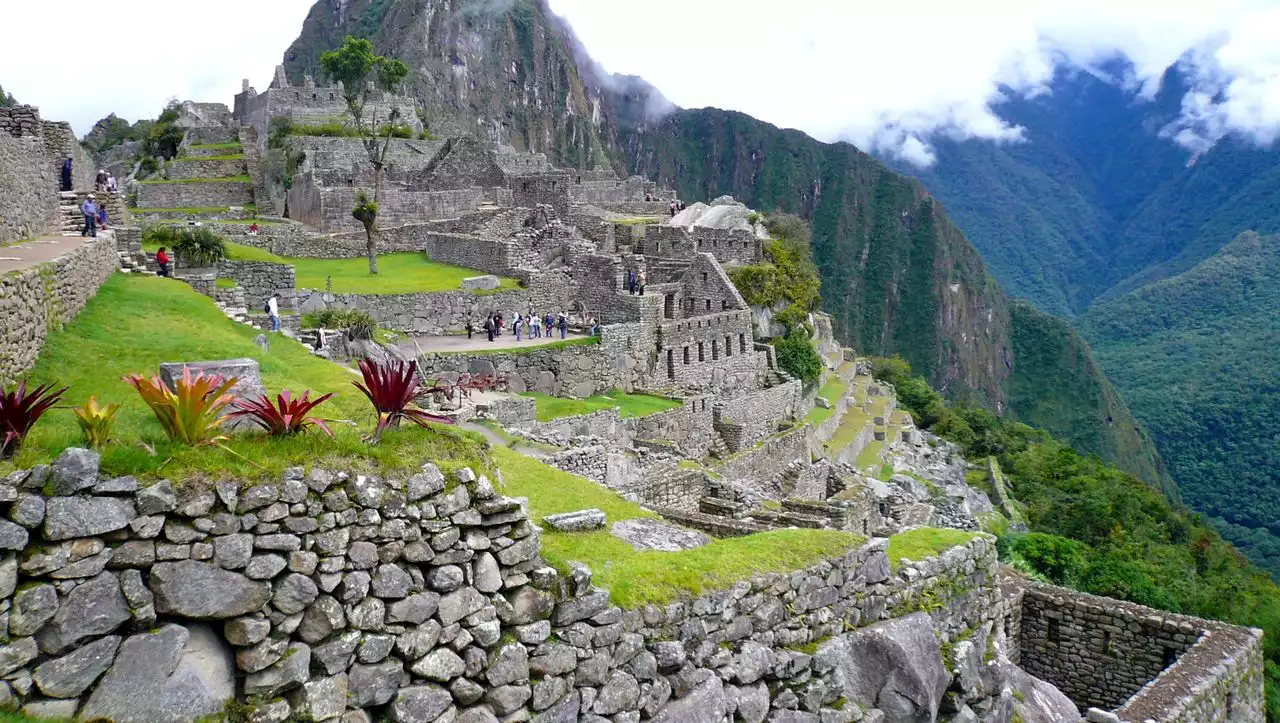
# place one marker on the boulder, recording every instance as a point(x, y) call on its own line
point(248, 385)
point(895, 665)
point(706, 703)
point(487, 282)
point(420, 703)
point(1036, 701)
point(578, 521)
point(67, 518)
point(71, 675)
point(172, 675)
point(203, 591)
point(95, 607)
point(74, 470)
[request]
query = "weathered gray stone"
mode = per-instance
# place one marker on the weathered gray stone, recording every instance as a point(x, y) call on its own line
point(1035, 700)
point(117, 486)
point(580, 608)
point(579, 521)
point(510, 665)
point(321, 620)
point(74, 470)
point(28, 511)
point(246, 631)
point(368, 614)
point(71, 517)
point(203, 591)
point(373, 685)
point(232, 552)
point(157, 499)
point(8, 575)
point(173, 675)
point(488, 282)
point(32, 608)
point(508, 699)
point(445, 578)
point(706, 703)
point(414, 609)
point(895, 665)
point(17, 654)
point(71, 675)
point(621, 693)
point(753, 703)
point(459, 604)
point(442, 665)
point(334, 656)
point(289, 672)
point(390, 581)
point(488, 577)
point(12, 536)
point(265, 567)
point(420, 703)
point(262, 655)
point(320, 699)
point(294, 593)
point(95, 607)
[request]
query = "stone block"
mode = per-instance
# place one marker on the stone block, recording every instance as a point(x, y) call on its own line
point(487, 282)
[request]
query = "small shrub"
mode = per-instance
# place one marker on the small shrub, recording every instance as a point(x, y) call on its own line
point(365, 210)
point(200, 246)
point(797, 356)
point(392, 388)
point(96, 420)
point(357, 323)
point(286, 416)
point(161, 235)
point(20, 409)
point(193, 414)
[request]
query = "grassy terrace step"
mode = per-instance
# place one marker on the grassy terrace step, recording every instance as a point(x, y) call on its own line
point(189, 211)
point(135, 323)
point(832, 391)
point(213, 146)
point(231, 157)
point(924, 542)
point(629, 405)
point(636, 577)
point(399, 273)
point(229, 179)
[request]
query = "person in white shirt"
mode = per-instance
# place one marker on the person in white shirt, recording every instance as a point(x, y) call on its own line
point(273, 312)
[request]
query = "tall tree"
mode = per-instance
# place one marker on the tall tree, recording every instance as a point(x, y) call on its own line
point(355, 64)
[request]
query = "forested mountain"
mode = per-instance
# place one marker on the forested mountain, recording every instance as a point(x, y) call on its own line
point(897, 274)
point(1198, 357)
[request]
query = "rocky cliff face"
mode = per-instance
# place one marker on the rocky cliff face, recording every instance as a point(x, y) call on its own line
point(898, 276)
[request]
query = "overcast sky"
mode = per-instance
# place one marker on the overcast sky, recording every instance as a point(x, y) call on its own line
point(885, 75)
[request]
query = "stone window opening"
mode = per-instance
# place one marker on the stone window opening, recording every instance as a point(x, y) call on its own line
point(742, 343)
point(686, 356)
point(1170, 656)
point(671, 364)
point(1055, 633)
point(1107, 648)
point(724, 305)
point(669, 306)
point(708, 304)
point(715, 349)
point(728, 347)
point(701, 355)
point(704, 277)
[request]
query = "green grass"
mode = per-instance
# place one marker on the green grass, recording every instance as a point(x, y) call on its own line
point(399, 273)
point(636, 577)
point(638, 220)
point(924, 542)
point(193, 211)
point(224, 283)
point(832, 391)
point(243, 178)
point(629, 405)
point(210, 146)
point(231, 157)
point(135, 323)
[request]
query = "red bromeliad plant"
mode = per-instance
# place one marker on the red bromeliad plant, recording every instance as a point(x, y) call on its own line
point(392, 388)
point(285, 416)
point(193, 412)
point(20, 409)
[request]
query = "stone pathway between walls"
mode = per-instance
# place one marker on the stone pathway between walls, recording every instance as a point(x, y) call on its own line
point(450, 343)
point(25, 254)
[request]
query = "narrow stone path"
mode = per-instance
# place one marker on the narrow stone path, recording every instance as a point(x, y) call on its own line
point(25, 254)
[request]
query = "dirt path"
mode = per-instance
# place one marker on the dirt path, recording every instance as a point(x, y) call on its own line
point(30, 253)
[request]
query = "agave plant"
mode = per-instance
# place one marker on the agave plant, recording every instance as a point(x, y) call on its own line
point(96, 421)
point(20, 409)
point(392, 388)
point(284, 416)
point(193, 412)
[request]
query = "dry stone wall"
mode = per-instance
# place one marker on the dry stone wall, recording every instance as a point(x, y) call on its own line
point(261, 279)
point(31, 155)
point(195, 194)
point(435, 313)
point(35, 300)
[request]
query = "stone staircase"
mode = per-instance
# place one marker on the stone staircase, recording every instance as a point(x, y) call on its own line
point(70, 220)
point(718, 448)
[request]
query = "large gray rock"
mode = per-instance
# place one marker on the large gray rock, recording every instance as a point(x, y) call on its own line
point(70, 517)
point(249, 384)
point(1035, 700)
point(95, 607)
point(284, 675)
point(373, 685)
point(420, 703)
point(480, 283)
point(321, 699)
point(12, 536)
point(203, 591)
point(74, 470)
point(706, 703)
point(895, 665)
point(71, 675)
point(579, 521)
point(173, 675)
point(32, 608)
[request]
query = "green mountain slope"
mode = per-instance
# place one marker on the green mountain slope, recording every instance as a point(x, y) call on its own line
point(1198, 357)
point(898, 276)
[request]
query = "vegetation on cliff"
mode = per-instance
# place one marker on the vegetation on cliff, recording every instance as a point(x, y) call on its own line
point(1100, 529)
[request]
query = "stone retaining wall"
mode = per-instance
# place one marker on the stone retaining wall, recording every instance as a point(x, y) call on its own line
point(688, 427)
point(747, 418)
point(1139, 663)
point(183, 168)
point(197, 194)
point(31, 155)
point(436, 313)
point(261, 279)
point(572, 371)
point(36, 300)
point(765, 461)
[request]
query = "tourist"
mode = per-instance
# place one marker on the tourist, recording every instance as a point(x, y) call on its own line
point(162, 260)
point(112, 186)
point(253, 229)
point(673, 209)
point(550, 324)
point(631, 281)
point(488, 326)
point(535, 322)
point(497, 324)
point(273, 312)
point(101, 180)
point(564, 325)
point(516, 327)
point(66, 174)
point(469, 328)
point(90, 211)
point(102, 216)
point(644, 281)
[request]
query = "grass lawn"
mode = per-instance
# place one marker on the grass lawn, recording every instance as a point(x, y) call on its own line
point(192, 211)
point(924, 542)
point(630, 405)
point(136, 322)
point(400, 273)
point(832, 391)
point(243, 178)
point(635, 577)
point(639, 220)
point(231, 157)
point(223, 283)
point(228, 146)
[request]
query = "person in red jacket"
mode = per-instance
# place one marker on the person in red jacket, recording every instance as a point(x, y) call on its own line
point(162, 259)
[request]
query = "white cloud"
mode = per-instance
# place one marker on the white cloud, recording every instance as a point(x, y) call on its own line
point(79, 60)
point(889, 75)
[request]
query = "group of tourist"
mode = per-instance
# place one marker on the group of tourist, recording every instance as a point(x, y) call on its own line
point(525, 326)
point(95, 217)
point(676, 207)
point(636, 282)
point(105, 182)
